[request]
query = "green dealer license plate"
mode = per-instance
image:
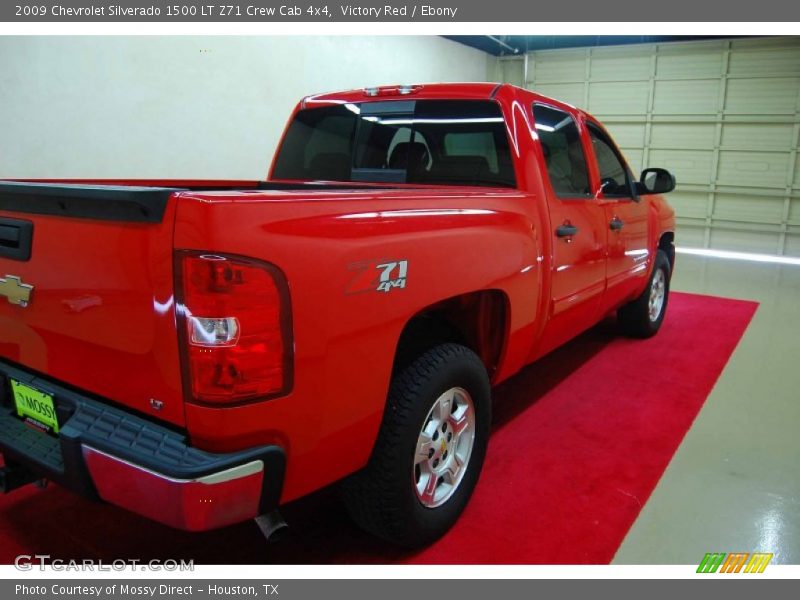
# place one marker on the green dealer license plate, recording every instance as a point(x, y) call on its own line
point(35, 407)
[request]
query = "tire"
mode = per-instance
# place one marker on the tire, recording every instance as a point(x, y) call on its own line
point(642, 317)
point(401, 496)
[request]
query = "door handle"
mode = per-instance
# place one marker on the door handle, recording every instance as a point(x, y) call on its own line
point(616, 224)
point(15, 239)
point(566, 230)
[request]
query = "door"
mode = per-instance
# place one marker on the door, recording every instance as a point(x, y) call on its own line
point(626, 219)
point(579, 228)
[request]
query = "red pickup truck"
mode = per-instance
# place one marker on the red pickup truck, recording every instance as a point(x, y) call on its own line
point(201, 352)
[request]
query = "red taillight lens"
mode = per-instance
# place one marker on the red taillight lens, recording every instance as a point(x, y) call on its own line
point(234, 313)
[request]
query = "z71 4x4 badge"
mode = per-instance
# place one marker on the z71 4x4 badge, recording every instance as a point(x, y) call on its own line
point(377, 276)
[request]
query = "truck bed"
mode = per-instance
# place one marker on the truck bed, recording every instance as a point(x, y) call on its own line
point(99, 257)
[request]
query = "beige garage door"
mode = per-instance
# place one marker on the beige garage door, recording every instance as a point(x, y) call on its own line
point(722, 115)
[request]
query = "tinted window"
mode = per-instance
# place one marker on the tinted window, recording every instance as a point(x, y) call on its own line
point(614, 176)
point(456, 142)
point(472, 144)
point(563, 152)
point(381, 145)
point(318, 145)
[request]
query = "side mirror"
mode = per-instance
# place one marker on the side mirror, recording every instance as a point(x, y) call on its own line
point(656, 181)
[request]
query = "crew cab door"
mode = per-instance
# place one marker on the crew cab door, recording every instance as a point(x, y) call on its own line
point(578, 225)
point(626, 219)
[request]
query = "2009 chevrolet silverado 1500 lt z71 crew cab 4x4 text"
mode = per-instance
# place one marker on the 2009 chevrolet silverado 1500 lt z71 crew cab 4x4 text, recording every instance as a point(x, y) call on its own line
point(201, 352)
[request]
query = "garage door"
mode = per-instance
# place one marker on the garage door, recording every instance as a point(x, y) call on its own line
point(722, 115)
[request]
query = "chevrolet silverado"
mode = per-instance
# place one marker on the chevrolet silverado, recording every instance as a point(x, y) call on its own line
point(202, 352)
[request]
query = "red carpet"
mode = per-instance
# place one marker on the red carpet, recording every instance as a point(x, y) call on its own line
point(580, 440)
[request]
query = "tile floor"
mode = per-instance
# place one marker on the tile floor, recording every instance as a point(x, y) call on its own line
point(734, 483)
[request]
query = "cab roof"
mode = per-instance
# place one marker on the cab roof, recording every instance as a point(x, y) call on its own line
point(426, 91)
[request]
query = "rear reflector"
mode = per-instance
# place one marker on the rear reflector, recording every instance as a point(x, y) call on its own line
point(234, 320)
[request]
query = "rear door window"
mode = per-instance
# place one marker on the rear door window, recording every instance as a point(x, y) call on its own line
point(563, 151)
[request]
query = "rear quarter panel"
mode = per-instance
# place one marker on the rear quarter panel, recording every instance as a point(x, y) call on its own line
point(454, 242)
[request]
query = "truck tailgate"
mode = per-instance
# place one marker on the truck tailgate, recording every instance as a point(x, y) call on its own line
point(99, 312)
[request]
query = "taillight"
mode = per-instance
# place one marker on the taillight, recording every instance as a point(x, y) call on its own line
point(234, 314)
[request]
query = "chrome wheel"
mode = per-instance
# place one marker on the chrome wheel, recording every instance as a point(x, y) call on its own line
point(658, 289)
point(444, 447)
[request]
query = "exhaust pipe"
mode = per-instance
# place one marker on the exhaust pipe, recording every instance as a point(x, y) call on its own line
point(272, 526)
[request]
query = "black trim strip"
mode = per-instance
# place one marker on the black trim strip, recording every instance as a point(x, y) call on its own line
point(100, 202)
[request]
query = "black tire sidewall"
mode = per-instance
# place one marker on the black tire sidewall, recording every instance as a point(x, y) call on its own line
point(465, 371)
point(634, 317)
point(661, 264)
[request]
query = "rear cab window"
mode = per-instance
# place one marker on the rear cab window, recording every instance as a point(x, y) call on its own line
point(448, 142)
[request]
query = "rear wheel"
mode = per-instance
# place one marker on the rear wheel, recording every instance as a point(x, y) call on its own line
point(642, 317)
point(429, 451)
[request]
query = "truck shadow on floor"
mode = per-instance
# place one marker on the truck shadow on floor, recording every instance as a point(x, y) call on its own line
point(57, 523)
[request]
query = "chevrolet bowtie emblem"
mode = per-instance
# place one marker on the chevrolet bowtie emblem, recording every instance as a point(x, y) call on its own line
point(17, 292)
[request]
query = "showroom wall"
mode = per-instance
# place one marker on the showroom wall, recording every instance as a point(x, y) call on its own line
point(723, 115)
point(186, 107)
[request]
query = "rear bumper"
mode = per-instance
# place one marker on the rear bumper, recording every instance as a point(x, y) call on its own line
point(104, 452)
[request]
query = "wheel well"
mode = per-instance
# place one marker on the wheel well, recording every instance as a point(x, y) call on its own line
point(667, 244)
point(478, 320)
